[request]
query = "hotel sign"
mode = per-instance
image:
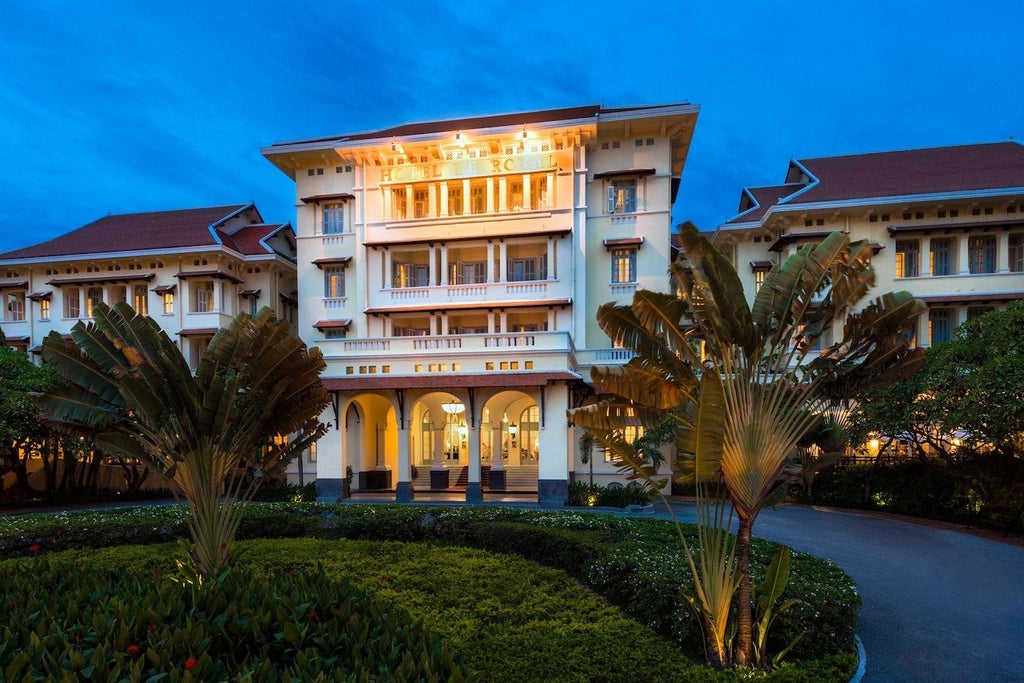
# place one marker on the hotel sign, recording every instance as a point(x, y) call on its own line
point(463, 168)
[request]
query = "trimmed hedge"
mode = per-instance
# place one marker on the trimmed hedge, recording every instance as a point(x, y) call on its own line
point(634, 563)
point(582, 494)
point(69, 622)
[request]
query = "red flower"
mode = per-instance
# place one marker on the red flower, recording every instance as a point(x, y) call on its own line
point(190, 663)
point(159, 575)
point(34, 548)
point(152, 627)
point(384, 578)
point(313, 615)
point(133, 650)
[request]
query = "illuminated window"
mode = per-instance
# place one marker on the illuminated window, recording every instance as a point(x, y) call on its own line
point(118, 294)
point(759, 276)
point(333, 219)
point(515, 195)
point(44, 309)
point(334, 282)
point(409, 275)
point(455, 200)
point(421, 203)
point(907, 258)
point(312, 452)
point(477, 199)
point(467, 273)
point(981, 254)
point(93, 296)
point(140, 299)
point(398, 203)
point(622, 196)
point(623, 266)
point(168, 303)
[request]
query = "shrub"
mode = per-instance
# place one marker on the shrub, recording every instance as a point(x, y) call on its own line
point(280, 491)
point(64, 622)
point(582, 494)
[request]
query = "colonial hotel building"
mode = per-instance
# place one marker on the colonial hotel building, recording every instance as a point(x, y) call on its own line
point(451, 271)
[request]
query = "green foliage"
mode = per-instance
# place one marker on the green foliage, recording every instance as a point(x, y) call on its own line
point(211, 434)
point(972, 386)
point(768, 609)
point(582, 494)
point(280, 491)
point(94, 621)
point(635, 564)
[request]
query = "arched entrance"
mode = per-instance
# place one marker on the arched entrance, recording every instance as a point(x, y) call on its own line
point(371, 435)
point(511, 453)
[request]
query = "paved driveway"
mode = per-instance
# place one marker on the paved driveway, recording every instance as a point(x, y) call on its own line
point(939, 605)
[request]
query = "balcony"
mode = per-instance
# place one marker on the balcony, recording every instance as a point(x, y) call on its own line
point(544, 292)
point(455, 345)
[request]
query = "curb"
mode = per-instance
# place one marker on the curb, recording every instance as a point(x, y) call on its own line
point(862, 661)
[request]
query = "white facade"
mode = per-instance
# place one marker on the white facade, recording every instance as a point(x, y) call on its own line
point(946, 224)
point(451, 272)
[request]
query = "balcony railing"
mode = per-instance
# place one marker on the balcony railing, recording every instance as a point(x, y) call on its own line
point(453, 344)
point(489, 292)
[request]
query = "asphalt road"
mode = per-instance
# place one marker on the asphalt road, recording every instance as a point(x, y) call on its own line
point(939, 604)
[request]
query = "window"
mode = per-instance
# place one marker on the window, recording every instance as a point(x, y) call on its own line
point(334, 219)
point(93, 296)
point(622, 196)
point(398, 203)
point(409, 275)
point(477, 199)
point(168, 303)
point(981, 254)
point(907, 258)
point(941, 256)
point(759, 276)
point(525, 269)
point(118, 294)
point(140, 300)
point(455, 201)
point(467, 273)
point(515, 195)
point(44, 309)
point(335, 333)
point(978, 311)
point(15, 306)
point(623, 265)
point(202, 296)
point(421, 203)
point(334, 282)
point(72, 303)
point(1016, 243)
point(939, 325)
point(254, 305)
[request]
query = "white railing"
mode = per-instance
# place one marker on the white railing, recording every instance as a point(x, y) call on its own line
point(509, 340)
point(483, 292)
point(528, 287)
point(434, 346)
point(335, 302)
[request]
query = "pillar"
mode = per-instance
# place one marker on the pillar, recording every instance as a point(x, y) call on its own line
point(331, 460)
point(503, 262)
point(474, 487)
point(502, 194)
point(490, 195)
point(444, 264)
point(466, 198)
point(553, 470)
point(432, 267)
point(491, 275)
point(527, 198)
point(432, 201)
point(926, 256)
point(403, 488)
point(551, 258)
point(963, 255)
point(389, 272)
point(549, 196)
point(1003, 253)
point(438, 474)
point(497, 461)
point(444, 198)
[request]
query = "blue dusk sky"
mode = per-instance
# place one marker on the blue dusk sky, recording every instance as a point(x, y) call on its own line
point(119, 107)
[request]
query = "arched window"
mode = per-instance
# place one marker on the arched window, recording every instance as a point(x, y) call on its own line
point(529, 427)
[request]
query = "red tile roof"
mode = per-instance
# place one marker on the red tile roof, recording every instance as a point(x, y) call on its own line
point(882, 175)
point(246, 240)
point(141, 231)
point(453, 381)
point(917, 171)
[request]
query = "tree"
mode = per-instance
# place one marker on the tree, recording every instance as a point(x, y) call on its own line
point(21, 430)
point(130, 386)
point(970, 389)
point(743, 383)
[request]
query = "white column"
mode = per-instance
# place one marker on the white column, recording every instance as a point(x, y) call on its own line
point(331, 458)
point(553, 470)
point(490, 195)
point(963, 261)
point(444, 264)
point(491, 275)
point(444, 198)
point(497, 462)
point(444, 324)
point(408, 202)
point(490, 322)
point(466, 199)
point(551, 258)
point(527, 198)
point(386, 196)
point(404, 465)
point(1003, 253)
point(474, 454)
point(389, 273)
point(503, 262)
point(432, 200)
point(550, 199)
point(552, 320)
point(502, 194)
point(926, 256)
point(503, 316)
point(433, 266)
